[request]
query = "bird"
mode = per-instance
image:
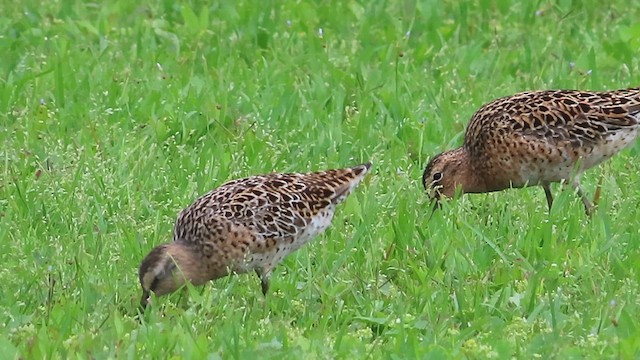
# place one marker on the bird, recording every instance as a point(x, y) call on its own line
point(245, 225)
point(536, 138)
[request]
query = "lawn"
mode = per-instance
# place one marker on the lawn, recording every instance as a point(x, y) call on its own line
point(114, 116)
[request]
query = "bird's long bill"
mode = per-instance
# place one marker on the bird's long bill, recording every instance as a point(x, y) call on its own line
point(144, 300)
point(435, 201)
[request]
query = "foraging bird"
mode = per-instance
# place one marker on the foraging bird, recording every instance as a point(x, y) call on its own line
point(246, 225)
point(536, 138)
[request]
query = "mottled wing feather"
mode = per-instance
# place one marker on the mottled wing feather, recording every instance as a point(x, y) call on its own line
point(275, 206)
point(554, 117)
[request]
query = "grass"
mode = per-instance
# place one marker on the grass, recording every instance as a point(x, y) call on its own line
point(114, 116)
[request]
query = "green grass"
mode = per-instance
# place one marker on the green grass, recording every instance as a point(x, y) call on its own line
point(114, 116)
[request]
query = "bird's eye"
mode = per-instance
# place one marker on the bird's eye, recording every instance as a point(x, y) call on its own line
point(437, 176)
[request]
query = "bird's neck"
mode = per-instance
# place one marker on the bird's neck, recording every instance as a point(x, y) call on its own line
point(471, 174)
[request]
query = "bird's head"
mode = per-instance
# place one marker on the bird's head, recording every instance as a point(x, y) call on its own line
point(165, 269)
point(445, 174)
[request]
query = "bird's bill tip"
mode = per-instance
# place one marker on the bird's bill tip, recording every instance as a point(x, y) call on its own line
point(434, 201)
point(435, 204)
point(145, 300)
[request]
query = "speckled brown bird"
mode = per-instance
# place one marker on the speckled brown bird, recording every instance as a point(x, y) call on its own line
point(536, 138)
point(246, 225)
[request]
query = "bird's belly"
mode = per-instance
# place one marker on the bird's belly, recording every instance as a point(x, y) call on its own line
point(555, 163)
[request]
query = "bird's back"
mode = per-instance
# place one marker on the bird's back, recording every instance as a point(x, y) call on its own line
point(539, 136)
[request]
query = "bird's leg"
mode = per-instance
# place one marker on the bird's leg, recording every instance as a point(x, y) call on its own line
point(596, 195)
point(547, 193)
point(588, 206)
point(184, 297)
point(264, 280)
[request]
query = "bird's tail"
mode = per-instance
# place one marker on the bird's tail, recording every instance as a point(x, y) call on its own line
point(347, 180)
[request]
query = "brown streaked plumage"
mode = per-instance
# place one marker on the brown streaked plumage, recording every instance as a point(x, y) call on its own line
point(246, 225)
point(536, 138)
